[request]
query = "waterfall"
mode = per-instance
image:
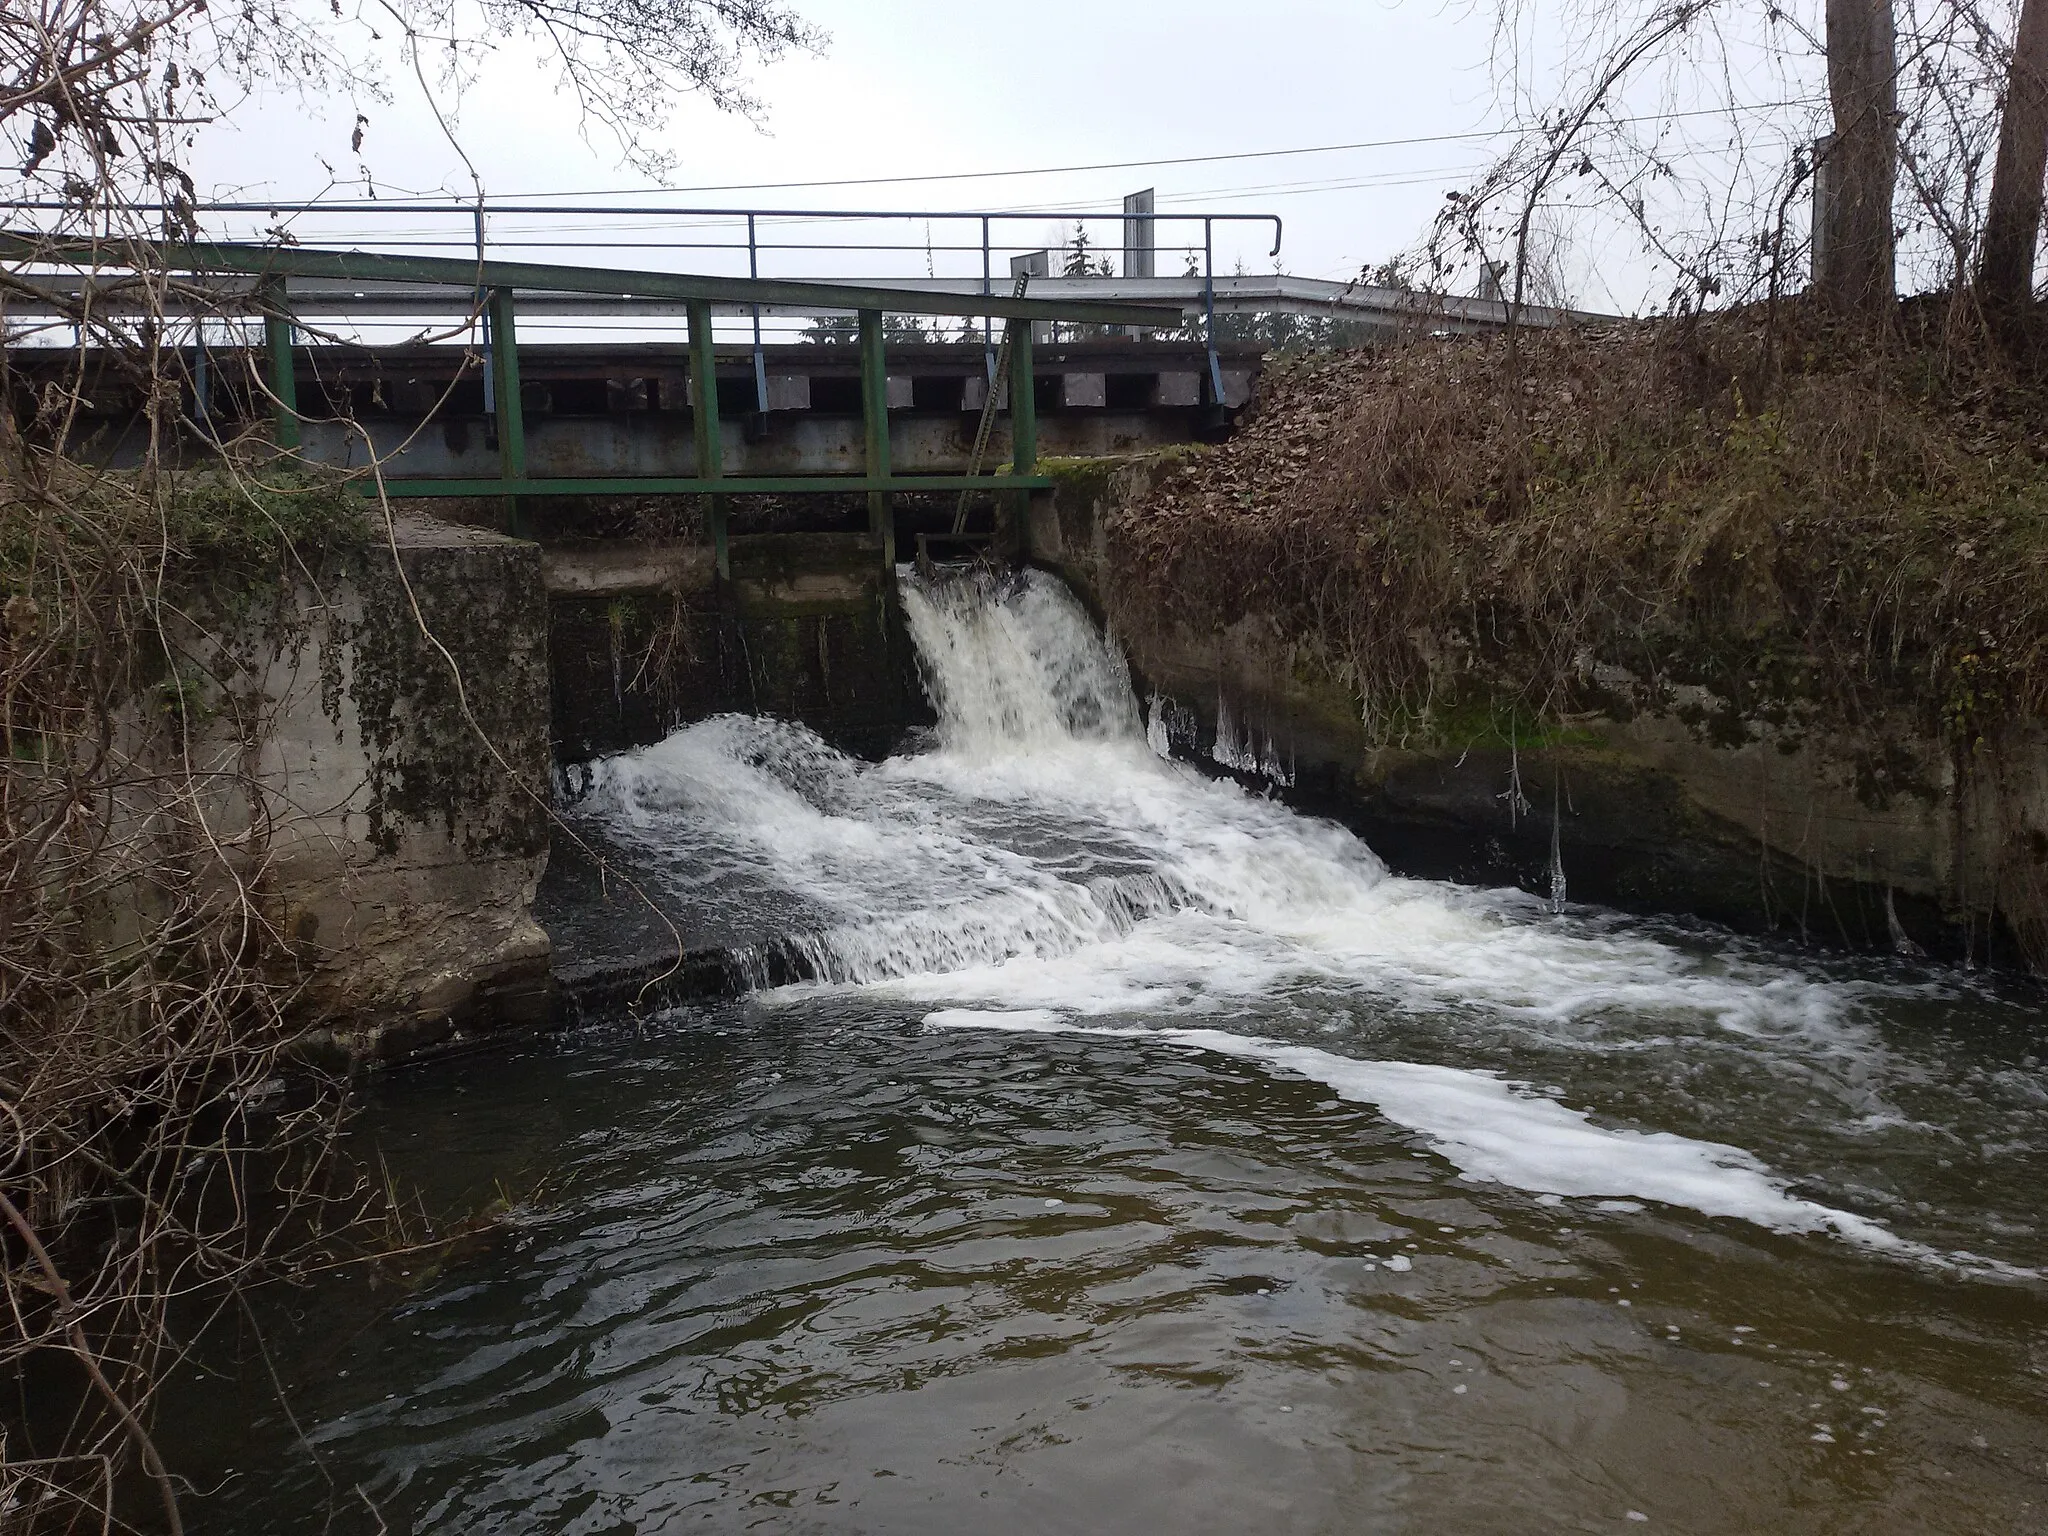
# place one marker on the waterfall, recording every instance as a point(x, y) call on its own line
point(1043, 826)
point(1013, 664)
point(1040, 866)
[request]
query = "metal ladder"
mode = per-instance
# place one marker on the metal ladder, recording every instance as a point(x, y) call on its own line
point(988, 414)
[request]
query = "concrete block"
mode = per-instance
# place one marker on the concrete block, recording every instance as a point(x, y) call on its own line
point(1180, 389)
point(789, 392)
point(403, 853)
point(1082, 389)
point(610, 568)
point(899, 392)
point(1237, 386)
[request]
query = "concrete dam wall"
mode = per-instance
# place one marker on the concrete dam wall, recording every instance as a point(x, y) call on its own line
point(1667, 801)
point(409, 890)
point(409, 815)
point(403, 783)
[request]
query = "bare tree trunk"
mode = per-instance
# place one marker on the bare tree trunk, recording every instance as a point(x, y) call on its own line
point(2005, 276)
point(1855, 248)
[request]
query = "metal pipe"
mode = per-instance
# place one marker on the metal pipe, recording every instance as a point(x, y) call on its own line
point(284, 384)
point(359, 266)
point(555, 241)
point(704, 426)
point(1023, 415)
point(200, 387)
point(874, 411)
point(383, 209)
point(511, 406)
point(988, 322)
point(690, 485)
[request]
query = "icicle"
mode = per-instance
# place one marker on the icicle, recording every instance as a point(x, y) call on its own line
point(1557, 885)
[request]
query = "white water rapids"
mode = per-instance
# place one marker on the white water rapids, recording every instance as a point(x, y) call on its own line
point(1040, 868)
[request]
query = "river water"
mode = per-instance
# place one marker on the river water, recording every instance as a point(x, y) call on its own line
point(1138, 1154)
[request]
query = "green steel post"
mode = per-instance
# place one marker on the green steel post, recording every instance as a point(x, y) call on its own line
point(704, 418)
point(874, 413)
point(284, 381)
point(1023, 413)
point(511, 413)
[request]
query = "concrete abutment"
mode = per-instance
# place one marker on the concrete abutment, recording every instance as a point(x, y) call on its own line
point(409, 875)
point(405, 784)
point(1666, 803)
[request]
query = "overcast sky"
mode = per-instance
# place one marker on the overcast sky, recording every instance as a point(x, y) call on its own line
point(924, 87)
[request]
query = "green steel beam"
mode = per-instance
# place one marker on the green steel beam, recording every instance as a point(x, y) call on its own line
point(284, 380)
point(704, 422)
point(1023, 417)
point(1023, 402)
point(874, 420)
point(370, 266)
point(689, 485)
point(510, 407)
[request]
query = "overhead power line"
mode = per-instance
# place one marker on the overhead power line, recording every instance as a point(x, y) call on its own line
point(1139, 165)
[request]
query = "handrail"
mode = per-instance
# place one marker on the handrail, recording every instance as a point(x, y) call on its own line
point(469, 209)
point(273, 261)
point(478, 210)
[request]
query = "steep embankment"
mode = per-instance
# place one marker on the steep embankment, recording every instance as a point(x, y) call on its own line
point(1733, 587)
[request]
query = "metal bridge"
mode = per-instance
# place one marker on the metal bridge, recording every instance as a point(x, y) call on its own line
point(264, 324)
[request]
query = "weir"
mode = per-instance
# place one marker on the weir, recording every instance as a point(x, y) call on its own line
point(754, 832)
point(719, 516)
point(716, 530)
point(1035, 866)
point(1071, 1077)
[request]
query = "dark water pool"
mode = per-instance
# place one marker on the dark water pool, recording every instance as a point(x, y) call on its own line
point(817, 1267)
point(1143, 1156)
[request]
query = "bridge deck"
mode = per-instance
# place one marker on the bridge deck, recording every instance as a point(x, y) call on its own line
point(495, 288)
point(1177, 300)
point(347, 405)
point(619, 418)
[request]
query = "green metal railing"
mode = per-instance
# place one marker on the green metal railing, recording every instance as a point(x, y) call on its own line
point(380, 215)
point(495, 282)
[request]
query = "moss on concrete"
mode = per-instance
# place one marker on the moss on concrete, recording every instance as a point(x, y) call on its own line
point(450, 720)
point(1779, 612)
point(807, 629)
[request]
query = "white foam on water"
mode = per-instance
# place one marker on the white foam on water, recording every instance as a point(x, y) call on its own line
point(1005, 672)
point(1303, 898)
point(1043, 868)
point(1497, 1131)
point(1045, 829)
point(1158, 732)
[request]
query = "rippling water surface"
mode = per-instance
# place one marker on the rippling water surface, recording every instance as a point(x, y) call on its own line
point(1137, 1154)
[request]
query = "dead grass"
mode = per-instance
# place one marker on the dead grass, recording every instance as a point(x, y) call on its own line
point(1749, 503)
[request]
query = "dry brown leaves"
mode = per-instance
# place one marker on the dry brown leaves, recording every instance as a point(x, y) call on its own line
point(1744, 502)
